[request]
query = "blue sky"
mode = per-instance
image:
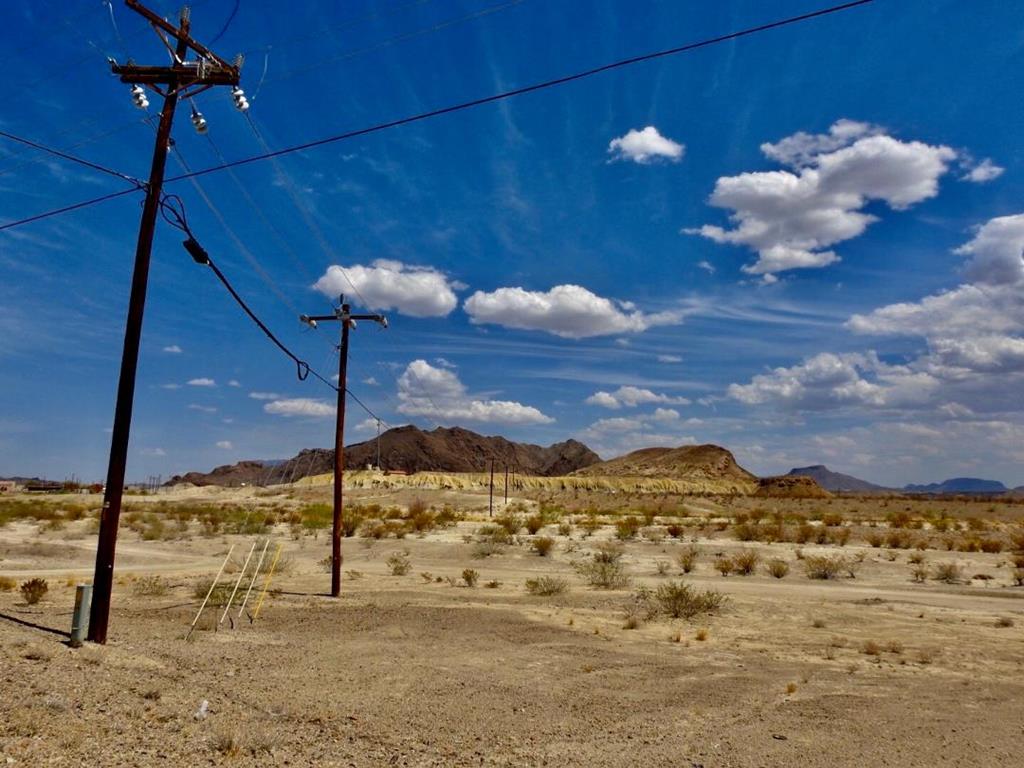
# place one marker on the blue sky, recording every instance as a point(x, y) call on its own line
point(802, 245)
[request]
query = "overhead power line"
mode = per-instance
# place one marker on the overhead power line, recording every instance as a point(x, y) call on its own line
point(543, 85)
point(65, 156)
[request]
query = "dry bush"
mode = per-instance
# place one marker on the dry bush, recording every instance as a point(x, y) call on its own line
point(470, 576)
point(991, 546)
point(534, 523)
point(510, 522)
point(824, 566)
point(1018, 577)
point(875, 539)
point(680, 600)
point(916, 559)
point(492, 584)
point(1018, 560)
point(34, 590)
point(674, 530)
point(150, 586)
point(219, 596)
point(899, 539)
point(778, 568)
point(398, 563)
point(701, 635)
point(920, 572)
point(871, 648)
point(427, 577)
point(627, 528)
point(724, 565)
point(744, 562)
point(662, 567)
point(1003, 622)
point(604, 569)
point(546, 586)
point(687, 559)
point(7, 584)
point(565, 528)
point(653, 534)
point(950, 573)
point(589, 524)
point(746, 531)
point(543, 545)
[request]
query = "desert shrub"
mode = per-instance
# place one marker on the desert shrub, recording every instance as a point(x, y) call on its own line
point(1004, 621)
point(875, 539)
point(565, 528)
point(687, 559)
point(832, 519)
point(1018, 577)
point(604, 569)
point(916, 559)
point(653, 534)
point(398, 563)
point(7, 584)
point(840, 536)
point(218, 597)
point(534, 523)
point(492, 584)
point(546, 586)
point(447, 517)
point(470, 576)
point(1017, 540)
point(871, 648)
point(950, 573)
point(543, 545)
point(427, 576)
point(919, 572)
point(589, 524)
point(992, 546)
point(804, 533)
point(1018, 560)
point(680, 600)
point(724, 565)
point(510, 522)
point(627, 528)
point(746, 532)
point(744, 562)
point(150, 586)
point(34, 590)
point(898, 519)
point(778, 568)
point(661, 567)
point(823, 566)
point(899, 539)
point(494, 534)
point(674, 530)
point(484, 549)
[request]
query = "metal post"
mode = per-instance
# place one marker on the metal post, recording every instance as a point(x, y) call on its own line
point(506, 483)
point(103, 579)
point(378, 445)
point(80, 621)
point(339, 455)
point(490, 496)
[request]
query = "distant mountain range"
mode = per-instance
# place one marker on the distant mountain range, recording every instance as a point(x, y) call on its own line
point(836, 482)
point(840, 483)
point(959, 485)
point(409, 449)
point(709, 467)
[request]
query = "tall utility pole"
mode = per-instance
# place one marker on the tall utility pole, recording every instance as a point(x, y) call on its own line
point(506, 482)
point(378, 445)
point(347, 320)
point(182, 79)
point(490, 495)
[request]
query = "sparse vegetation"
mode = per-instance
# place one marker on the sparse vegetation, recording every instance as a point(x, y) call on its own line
point(398, 563)
point(543, 545)
point(150, 586)
point(778, 568)
point(950, 573)
point(687, 559)
point(470, 576)
point(546, 586)
point(7, 584)
point(744, 562)
point(34, 590)
point(626, 528)
point(604, 568)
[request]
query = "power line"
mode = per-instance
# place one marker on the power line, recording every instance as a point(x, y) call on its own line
point(473, 103)
point(65, 156)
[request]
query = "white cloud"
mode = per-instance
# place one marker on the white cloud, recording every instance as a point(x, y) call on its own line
point(665, 414)
point(707, 266)
point(366, 425)
point(226, 445)
point(234, 383)
point(997, 251)
point(371, 382)
point(983, 172)
point(669, 359)
point(569, 311)
point(791, 217)
point(264, 396)
point(170, 386)
point(153, 452)
point(173, 349)
point(299, 406)
point(631, 397)
point(645, 147)
point(424, 390)
point(202, 382)
point(201, 408)
point(386, 284)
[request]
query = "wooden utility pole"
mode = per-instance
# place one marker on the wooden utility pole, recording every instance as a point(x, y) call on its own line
point(490, 496)
point(182, 79)
point(343, 315)
point(506, 482)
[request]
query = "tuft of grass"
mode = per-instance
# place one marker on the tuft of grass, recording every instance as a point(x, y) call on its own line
point(1004, 621)
point(150, 586)
point(470, 576)
point(565, 528)
point(724, 565)
point(546, 586)
point(604, 569)
point(920, 573)
point(681, 601)
point(791, 688)
point(510, 522)
point(534, 523)
point(492, 584)
point(543, 545)
point(7, 584)
point(871, 648)
point(823, 566)
point(950, 573)
point(626, 528)
point(702, 635)
point(34, 590)
point(662, 567)
point(687, 559)
point(778, 568)
point(398, 563)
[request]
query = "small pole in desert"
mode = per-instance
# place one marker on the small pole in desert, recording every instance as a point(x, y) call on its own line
point(210, 591)
point(238, 582)
point(255, 573)
point(266, 583)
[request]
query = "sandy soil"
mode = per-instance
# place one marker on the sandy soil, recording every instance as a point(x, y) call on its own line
point(404, 672)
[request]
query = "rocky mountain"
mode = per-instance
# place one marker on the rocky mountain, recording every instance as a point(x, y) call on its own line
point(835, 481)
point(410, 449)
point(709, 467)
point(791, 487)
point(959, 485)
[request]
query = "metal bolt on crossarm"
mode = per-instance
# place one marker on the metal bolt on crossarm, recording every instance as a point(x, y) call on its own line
point(182, 79)
point(342, 314)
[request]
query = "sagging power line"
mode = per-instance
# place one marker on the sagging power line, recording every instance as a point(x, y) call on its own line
point(539, 86)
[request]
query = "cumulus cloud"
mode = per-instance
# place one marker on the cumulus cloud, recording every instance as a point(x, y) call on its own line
point(201, 382)
point(300, 406)
point(569, 311)
point(226, 445)
point(264, 396)
point(392, 285)
point(645, 147)
point(983, 172)
point(631, 397)
point(792, 217)
point(665, 414)
point(669, 359)
point(997, 251)
point(707, 266)
point(426, 390)
point(172, 349)
point(234, 383)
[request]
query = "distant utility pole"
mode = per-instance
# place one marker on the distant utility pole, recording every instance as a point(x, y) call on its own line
point(378, 445)
point(490, 496)
point(347, 320)
point(506, 482)
point(183, 79)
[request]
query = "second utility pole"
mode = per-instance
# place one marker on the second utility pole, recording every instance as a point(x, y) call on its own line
point(347, 320)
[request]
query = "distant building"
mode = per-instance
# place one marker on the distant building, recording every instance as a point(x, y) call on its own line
point(44, 486)
point(8, 486)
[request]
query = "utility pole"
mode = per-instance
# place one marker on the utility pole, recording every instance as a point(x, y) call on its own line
point(183, 79)
point(343, 315)
point(490, 497)
point(378, 445)
point(506, 483)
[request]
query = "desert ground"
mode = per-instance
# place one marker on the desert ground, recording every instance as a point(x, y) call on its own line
point(905, 650)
